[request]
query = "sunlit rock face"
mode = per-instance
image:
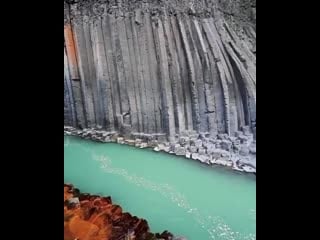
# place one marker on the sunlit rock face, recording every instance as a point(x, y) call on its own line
point(160, 67)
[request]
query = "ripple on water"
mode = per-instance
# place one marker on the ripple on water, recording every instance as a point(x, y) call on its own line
point(214, 225)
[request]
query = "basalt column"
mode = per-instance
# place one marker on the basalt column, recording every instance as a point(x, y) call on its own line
point(168, 67)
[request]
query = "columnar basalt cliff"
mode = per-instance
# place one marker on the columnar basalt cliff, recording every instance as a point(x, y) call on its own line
point(163, 67)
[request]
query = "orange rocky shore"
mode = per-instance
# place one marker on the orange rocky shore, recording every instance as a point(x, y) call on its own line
point(91, 217)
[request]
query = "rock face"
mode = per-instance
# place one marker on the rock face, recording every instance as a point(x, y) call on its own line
point(96, 218)
point(161, 67)
point(238, 153)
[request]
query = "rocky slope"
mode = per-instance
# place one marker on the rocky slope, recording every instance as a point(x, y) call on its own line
point(238, 153)
point(167, 69)
point(96, 218)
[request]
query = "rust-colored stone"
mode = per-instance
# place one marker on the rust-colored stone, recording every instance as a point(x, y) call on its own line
point(96, 218)
point(71, 51)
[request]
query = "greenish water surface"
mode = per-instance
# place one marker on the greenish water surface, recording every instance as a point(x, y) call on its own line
point(180, 195)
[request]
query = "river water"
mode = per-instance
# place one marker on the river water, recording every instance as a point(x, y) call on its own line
point(172, 193)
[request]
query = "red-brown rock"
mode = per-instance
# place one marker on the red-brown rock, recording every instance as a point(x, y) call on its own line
point(91, 217)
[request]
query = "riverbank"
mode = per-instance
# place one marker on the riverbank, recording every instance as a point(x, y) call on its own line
point(237, 153)
point(93, 217)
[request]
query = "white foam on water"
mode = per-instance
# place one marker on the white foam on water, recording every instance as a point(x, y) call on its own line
point(215, 226)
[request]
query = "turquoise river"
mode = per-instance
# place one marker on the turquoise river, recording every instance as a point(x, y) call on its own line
point(172, 193)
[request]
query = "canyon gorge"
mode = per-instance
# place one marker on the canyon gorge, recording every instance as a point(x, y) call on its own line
point(164, 70)
point(177, 76)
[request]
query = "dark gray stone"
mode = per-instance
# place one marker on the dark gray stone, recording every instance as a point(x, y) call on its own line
point(252, 149)
point(222, 136)
point(226, 145)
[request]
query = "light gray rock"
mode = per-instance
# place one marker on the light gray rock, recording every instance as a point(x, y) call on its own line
point(161, 146)
point(138, 140)
point(193, 133)
point(246, 130)
point(217, 153)
point(225, 154)
point(210, 148)
point(180, 151)
point(203, 158)
point(244, 150)
point(198, 143)
point(160, 137)
point(156, 149)
point(205, 141)
point(175, 146)
point(167, 149)
point(153, 143)
point(202, 151)
point(195, 156)
point(143, 145)
point(224, 162)
point(74, 200)
point(213, 140)
point(212, 160)
point(130, 142)
point(120, 140)
point(193, 149)
point(244, 139)
point(249, 169)
point(247, 161)
point(184, 134)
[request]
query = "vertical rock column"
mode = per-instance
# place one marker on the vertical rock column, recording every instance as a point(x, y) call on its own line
point(151, 67)
point(72, 78)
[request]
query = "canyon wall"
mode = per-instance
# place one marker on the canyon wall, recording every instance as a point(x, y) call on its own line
point(160, 67)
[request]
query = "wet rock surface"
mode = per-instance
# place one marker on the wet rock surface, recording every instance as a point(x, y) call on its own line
point(97, 218)
point(238, 153)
